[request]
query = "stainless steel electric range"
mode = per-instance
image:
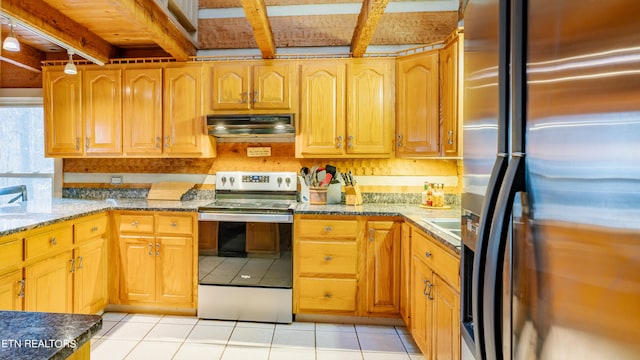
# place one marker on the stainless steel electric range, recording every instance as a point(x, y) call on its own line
point(245, 264)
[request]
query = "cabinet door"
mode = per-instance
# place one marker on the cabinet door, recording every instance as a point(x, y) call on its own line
point(102, 100)
point(183, 124)
point(370, 107)
point(11, 291)
point(90, 277)
point(137, 272)
point(262, 238)
point(142, 112)
point(405, 272)
point(421, 308)
point(174, 270)
point(383, 267)
point(418, 111)
point(271, 87)
point(49, 284)
point(449, 81)
point(63, 113)
point(230, 85)
point(446, 326)
point(322, 113)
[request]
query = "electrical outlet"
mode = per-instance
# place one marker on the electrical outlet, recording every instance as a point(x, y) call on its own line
point(116, 180)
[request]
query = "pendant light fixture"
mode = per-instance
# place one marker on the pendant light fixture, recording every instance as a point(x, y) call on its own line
point(11, 43)
point(70, 68)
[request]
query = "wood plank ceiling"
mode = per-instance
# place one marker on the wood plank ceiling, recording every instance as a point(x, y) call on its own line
point(100, 30)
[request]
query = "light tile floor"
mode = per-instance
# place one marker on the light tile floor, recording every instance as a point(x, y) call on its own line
point(157, 337)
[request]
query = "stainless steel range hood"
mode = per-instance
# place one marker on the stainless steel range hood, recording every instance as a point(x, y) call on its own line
point(239, 128)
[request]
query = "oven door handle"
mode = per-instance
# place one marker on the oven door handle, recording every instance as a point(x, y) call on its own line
point(244, 217)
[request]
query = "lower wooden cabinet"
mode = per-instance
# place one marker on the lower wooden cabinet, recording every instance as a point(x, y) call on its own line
point(11, 290)
point(435, 303)
point(156, 258)
point(49, 284)
point(382, 274)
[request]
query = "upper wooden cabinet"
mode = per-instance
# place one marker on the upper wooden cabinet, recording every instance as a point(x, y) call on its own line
point(264, 86)
point(346, 109)
point(83, 112)
point(451, 83)
point(126, 110)
point(417, 129)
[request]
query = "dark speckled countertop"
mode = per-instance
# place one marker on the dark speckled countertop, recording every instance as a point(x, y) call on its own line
point(34, 335)
point(32, 214)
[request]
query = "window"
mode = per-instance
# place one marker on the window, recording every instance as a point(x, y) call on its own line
point(22, 160)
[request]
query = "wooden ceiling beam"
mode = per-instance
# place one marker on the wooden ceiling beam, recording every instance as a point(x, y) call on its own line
point(28, 57)
point(256, 13)
point(370, 14)
point(162, 30)
point(40, 16)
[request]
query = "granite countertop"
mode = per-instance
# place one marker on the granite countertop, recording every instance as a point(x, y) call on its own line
point(36, 335)
point(33, 214)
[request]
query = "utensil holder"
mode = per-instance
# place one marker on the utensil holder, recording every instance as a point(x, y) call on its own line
point(353, 195)
point(318, 195)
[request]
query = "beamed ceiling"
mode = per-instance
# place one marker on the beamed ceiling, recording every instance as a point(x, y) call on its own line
point(101, 30)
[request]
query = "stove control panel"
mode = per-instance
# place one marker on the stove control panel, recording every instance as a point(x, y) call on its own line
point(256, 181)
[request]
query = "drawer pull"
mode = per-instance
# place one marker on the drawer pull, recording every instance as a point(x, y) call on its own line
point(134, 223)
point(150, 249)
point(427, 254)
point(328, 295)
point(21, 291)
point(328, 228)
point(94, 229)
point(53, 241)
point(73, 265)
point(79, 262)
point(157, 249)
point(173, 224)
point(372, 235)
point(428, 292)
point(328, 258)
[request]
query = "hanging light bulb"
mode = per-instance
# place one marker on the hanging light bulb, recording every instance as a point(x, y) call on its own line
point(70, 68)
point(11, 43)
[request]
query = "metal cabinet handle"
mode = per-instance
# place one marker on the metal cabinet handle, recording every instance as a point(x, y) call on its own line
point(339, 142)
point(399, 140)
point(87, 142)
point(350, 141)
point(430, 287)
point(424, 290)
point(173, 224)
point(94, 229)
point(150, 249)
point(158, 142)
point(157, 249)
point(77, 143)
point(372, 234)
point(255, 96)
point(53, 241)
point(328, 295)
point(134, 223)
point(450, 137)
point(79, 262)
point(328, 258)
point(427, 254)
point(73, 265)
point(167, 143)
point(328, 228)
point(21, 291)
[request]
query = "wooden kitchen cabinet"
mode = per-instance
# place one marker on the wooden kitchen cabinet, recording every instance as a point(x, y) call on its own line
point(435, 299)
point(90, 286)
point(382, 274)
point(49, 284)
point(346, 109)
point(417, 128)
point(102, 101)
point(405, 273)
point(63, 119)
point(11, 290)
point(246, 86)
point(156, 258)
point(142, 110)
point(451, 85)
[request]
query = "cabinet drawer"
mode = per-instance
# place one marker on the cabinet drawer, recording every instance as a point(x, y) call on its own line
point(92, 228)
point(327, 258)
point(136, 223)
point(49, 241)
point(440, 261)
point(327, 294)
point(10, 252)
point(175, 224)
point(327, 229)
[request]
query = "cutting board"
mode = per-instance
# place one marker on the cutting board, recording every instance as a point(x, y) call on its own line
point(168, 190)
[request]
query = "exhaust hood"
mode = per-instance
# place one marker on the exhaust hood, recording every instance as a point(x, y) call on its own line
point(238, 128)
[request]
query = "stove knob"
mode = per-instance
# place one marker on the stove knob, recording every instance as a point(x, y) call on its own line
point(224, 180)
point(288, 181)
point(279, 181)
point(232, 180)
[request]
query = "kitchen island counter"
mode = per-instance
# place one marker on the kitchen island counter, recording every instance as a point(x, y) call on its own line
point(38, 335)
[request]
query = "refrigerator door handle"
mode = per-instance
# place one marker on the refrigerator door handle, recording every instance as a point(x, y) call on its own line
point(514, 182)
point(479, 260)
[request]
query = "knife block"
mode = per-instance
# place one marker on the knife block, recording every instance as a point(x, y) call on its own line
point(353, 195)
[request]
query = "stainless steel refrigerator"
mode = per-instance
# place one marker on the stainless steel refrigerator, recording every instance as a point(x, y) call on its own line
point(551, 180)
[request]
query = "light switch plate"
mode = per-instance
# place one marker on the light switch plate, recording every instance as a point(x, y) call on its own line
point(116, 180)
